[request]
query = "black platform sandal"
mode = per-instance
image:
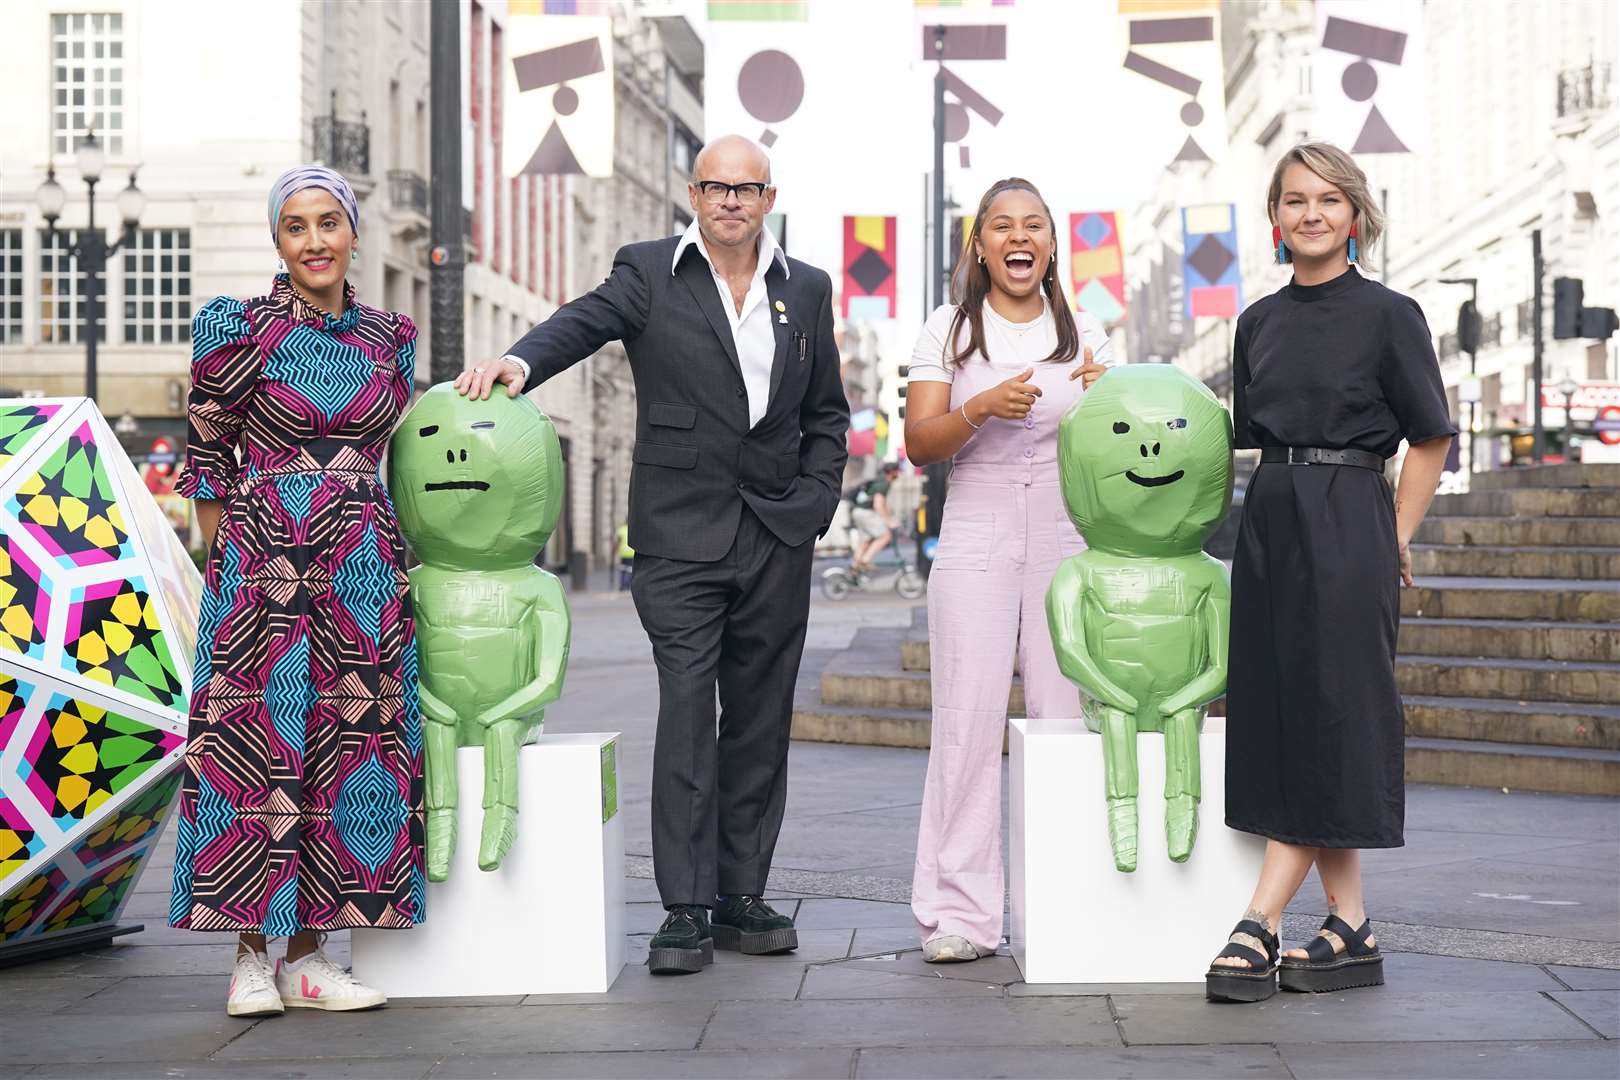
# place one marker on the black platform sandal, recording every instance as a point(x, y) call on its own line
point(1325, 971)
point(1258, 981)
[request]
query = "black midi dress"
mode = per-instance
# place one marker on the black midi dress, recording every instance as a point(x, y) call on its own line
point(1315, 730)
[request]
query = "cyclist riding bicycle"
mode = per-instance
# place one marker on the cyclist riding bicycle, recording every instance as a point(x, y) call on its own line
point(872, 520)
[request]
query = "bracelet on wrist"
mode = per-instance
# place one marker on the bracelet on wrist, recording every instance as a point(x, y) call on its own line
point(970, 423)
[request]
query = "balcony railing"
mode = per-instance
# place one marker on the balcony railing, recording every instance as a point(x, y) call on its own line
point(343, 144)
point(408, 191)
point(1585, 89)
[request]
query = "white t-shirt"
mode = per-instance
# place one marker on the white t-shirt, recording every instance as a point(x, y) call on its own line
point(1013, 346)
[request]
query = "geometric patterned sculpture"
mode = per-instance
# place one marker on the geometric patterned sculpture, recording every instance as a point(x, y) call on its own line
point(98, 624)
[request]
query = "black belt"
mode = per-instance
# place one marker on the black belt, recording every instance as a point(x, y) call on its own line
point(1316, 455)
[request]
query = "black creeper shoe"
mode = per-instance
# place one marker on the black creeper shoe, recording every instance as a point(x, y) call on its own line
point(683, 944)
point(748, 925)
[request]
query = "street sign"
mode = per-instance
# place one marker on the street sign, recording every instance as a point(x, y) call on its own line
point(1468, 390)
point(1607, 425)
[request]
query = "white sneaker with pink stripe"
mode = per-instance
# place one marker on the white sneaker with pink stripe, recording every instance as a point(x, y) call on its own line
point(314, 982)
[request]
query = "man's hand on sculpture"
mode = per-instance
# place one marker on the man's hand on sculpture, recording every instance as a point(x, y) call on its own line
point(480, 380)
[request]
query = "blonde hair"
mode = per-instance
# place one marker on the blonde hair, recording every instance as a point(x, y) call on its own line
point(1339, 169)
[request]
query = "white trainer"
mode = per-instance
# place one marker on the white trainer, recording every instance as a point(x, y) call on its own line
point(253, 987)
point(314, 982)
point(949, 949)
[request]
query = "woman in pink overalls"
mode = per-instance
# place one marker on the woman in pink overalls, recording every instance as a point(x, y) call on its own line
point(991, 376)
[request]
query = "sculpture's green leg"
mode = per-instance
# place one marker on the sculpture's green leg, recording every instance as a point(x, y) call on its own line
point(1119, 767)
point(1181, 782)
point(501, 741)
point(441, 797)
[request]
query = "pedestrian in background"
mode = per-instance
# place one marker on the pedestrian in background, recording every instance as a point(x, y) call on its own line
point(992, 374)
point(1331, 373)
point(301, 804)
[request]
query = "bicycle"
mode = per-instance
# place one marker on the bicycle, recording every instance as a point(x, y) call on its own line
point(839, 581)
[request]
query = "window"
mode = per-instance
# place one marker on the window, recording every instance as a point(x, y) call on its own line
point(61, 296)
point(87, 84)
point(157, 287)
point(11, 286)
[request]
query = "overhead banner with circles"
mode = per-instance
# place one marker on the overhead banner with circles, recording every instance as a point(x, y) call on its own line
point(1171, 52)
point(1367, 74)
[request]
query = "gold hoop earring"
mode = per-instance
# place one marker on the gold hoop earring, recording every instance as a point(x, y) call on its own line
point(981, 260)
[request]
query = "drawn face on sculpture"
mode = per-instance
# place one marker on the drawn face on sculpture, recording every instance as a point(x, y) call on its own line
point(1146, 462)
point(478, 485)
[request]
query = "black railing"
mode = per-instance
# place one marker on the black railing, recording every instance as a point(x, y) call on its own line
point(1585, 89)
point(408, 191)
point(343, 144)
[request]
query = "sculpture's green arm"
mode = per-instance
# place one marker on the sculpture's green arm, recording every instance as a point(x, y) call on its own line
point(1216, 617)
point(432, 707)
point(1063, 617)
point(549, 625)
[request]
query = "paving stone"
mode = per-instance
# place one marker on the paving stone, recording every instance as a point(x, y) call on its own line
point(117, 961)
point(114, 1037)
point(1417, 972)
point(1585, 978)
point(471, 1002)
point(1486, 810)
point(999, 970)
point(1600, 1008)
point(24, 992)
point(675, 1065)
point(884, 939)
point(399, 1068)
point(1590, 1060)
point(1103, 989)
point(815, 947)
point(860, 914)
point(1372, 1015)
point(1076, 1063)
point(843, 981)
point(443, 1032)
point(989, 1022)
point(157, 994)
point(1579, 856)
point(743, 980)
point(1432, 847)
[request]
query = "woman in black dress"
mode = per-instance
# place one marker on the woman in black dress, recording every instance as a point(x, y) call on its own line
point(1331, 373)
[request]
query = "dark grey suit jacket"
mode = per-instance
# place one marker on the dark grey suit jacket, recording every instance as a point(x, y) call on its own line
point(696, 459)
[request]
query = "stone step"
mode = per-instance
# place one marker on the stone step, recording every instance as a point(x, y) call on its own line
point(859, 686)
point(1530, 502)
point(1568, 475)
point(1490, 560)
point(1517, 639)
point(1516, 767)
point(1512, 598)
point(1589, 682)
point(1537, 723)
point(1593, 682)
point(1543, 531)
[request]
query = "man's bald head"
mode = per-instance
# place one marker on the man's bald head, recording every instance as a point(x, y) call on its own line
point(737, 156)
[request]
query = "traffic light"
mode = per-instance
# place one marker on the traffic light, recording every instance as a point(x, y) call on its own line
point(1599, 323)
point(1568, 294)
point(1468, 327)
point(902, 411)
point(905, 369)
point(901, 390)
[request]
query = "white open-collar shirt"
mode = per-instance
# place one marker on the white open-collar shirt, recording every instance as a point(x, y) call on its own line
point(751, 328)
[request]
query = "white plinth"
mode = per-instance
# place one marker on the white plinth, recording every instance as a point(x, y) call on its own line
point(551, 919)
point(1075, 919)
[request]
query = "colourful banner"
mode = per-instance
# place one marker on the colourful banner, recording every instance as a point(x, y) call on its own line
point(1209, 253)
point(1097, 265)
point(759, 10)
point(869, 268)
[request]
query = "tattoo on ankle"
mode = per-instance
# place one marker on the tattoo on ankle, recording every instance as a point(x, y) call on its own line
point(1256, 915)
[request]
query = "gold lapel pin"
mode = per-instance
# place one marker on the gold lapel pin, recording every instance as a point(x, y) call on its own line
point(781, 306)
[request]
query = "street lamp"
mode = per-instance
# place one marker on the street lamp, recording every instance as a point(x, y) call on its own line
point(1473, 341)
point(92, 251)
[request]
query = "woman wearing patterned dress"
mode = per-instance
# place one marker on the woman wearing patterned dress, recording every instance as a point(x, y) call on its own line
point(301, 810)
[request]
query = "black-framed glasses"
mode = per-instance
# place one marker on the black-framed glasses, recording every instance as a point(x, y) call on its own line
point(714, 191)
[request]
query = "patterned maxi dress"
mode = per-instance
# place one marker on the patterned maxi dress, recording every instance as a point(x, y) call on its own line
point(302, 806)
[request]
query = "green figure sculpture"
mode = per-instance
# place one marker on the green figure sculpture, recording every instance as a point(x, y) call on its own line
point(478, 486)
point(1139, 620)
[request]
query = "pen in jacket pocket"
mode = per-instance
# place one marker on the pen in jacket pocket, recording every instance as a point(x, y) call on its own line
point(798, 336)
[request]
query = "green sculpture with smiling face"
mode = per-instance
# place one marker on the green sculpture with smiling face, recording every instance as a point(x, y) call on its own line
point(478, 486)
point(1139, 620)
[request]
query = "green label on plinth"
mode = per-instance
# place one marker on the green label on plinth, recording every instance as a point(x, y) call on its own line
point(610, 780)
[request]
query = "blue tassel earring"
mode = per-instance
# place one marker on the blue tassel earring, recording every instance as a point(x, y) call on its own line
point(1350, 252)
point(1277, 244)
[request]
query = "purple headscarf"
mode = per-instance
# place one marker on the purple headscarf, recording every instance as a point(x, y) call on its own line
point(305, 177)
